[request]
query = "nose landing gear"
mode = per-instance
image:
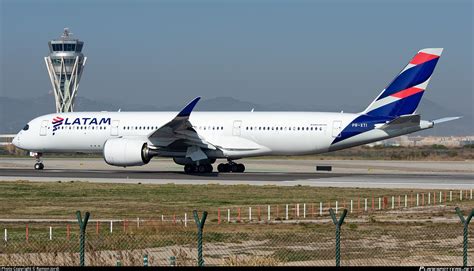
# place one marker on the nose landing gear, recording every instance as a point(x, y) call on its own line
point(39, 164)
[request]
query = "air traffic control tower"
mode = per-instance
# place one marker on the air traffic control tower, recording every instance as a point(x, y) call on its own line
point(65, 64)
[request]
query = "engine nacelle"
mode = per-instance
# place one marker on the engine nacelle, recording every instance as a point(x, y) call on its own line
point(126, 152)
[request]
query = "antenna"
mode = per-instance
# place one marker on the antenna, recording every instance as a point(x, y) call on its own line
point(66, 33)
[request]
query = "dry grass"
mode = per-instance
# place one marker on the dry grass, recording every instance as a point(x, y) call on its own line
point(106, 201)
point(428, 235)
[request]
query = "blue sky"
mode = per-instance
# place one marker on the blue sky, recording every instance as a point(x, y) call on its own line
point(294, 52)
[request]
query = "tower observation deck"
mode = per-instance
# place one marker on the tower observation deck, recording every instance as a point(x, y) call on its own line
point(65, 64)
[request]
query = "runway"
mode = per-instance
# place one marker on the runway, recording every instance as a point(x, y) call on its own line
point(364, 174)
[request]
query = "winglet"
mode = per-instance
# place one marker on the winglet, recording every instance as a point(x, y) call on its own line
point(186, 111)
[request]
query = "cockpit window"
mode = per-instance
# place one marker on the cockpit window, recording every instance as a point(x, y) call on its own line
point(26, 127)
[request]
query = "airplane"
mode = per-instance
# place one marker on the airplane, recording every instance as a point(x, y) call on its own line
point(197, 139)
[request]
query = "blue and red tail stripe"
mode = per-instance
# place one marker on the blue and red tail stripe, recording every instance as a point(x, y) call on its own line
point(411, 77)
point(404, 93)
point(422, 57)
point(407, 92)
point(400, 97)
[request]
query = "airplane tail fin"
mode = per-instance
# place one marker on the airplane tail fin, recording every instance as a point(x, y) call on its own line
point(403, 94)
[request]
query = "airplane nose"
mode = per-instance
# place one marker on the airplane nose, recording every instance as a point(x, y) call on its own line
point(16, 141)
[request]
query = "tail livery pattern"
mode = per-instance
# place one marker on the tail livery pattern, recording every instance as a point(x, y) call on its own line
point(403, 94)
point(401, 97)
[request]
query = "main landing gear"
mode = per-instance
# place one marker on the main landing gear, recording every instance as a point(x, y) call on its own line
point(39, 164)
point(231, 167)
point(206, 168)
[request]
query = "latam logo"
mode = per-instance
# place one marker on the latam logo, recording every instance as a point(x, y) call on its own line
point(58, 122)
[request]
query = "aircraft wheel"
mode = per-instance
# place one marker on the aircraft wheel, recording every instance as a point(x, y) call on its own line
point(240, 168)
point(233, 167)
point(222, 168)
point(39, 166)
point(209, 168)
point(202, 168)
point(188, 169)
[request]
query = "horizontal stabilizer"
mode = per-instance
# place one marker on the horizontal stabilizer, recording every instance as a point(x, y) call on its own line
point(402, 122)
point(445, 119)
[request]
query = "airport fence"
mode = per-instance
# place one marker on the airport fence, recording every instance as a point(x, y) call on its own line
point(439, 241)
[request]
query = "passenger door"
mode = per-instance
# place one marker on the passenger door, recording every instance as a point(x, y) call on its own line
point(44, 127)
point(236, 127)
point(115, 127)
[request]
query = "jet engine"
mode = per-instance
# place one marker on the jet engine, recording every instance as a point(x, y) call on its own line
point(126, 152)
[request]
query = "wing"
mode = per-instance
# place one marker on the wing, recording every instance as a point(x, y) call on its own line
point(178, 134)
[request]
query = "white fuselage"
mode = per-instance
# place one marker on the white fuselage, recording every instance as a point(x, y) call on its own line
point(197, 139)
point(240, 134)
